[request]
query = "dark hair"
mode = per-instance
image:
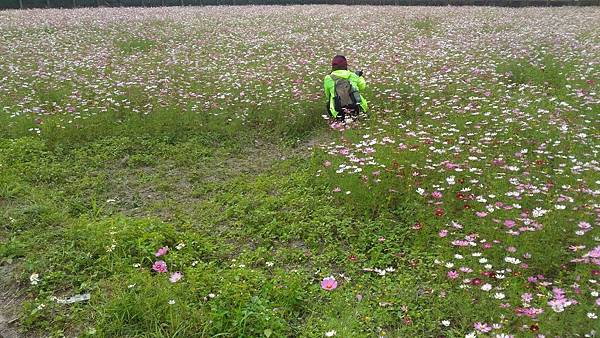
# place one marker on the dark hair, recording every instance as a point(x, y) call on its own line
point(339, 62)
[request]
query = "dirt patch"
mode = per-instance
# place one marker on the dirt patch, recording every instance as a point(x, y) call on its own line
point(10, 301)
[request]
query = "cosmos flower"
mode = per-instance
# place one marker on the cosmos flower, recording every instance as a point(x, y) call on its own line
point(159, 266)
point(329, 283)
point(175, 277)
point(162, 251)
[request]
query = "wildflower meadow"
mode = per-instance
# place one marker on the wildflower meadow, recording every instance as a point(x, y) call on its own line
point(172, 172)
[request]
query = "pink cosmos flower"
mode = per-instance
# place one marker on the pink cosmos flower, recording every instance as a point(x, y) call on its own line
point(511, 249)
point(337, 125)
point(328, 283)
point(509, 223)
point(584, 225)
point(162, 251)
point(598, 302)
point(482, 327)
point(526, 297)
point(560, 301)
point(530, 312)
point(595, 253)
point(436, 194)
point(481, 214)
point(451, 166)
point(159, 266)
point(443, 233)
point(175, 277)
point(498, 161)
point(460, 242)
point(452, 274)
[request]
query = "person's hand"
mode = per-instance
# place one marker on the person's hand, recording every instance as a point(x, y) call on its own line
point(359, 72)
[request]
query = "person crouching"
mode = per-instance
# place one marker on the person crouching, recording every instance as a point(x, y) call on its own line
point(342, 90)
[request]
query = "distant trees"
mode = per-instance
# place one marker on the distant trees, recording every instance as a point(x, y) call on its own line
point(15, 4)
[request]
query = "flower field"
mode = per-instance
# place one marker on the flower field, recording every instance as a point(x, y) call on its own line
point(170, 172)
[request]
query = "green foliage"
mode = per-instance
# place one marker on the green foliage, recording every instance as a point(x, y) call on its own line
point(134, 45)
point(545, 71)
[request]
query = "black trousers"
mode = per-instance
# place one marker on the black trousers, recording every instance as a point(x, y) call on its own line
point(342, 115)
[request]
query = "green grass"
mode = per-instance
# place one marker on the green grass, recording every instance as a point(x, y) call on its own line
point(134, 45)
point(425, 25)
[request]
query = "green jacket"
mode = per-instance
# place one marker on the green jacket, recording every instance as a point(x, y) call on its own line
point(357, 81)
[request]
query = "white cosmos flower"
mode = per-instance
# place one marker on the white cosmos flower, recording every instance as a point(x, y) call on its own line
point(512, 260)
point(34, 278)
point(538, 212)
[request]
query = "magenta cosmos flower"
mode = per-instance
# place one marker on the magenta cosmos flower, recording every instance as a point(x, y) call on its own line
point(452, 274)
point(328, 283)
point(162, 251)
point(159, 266)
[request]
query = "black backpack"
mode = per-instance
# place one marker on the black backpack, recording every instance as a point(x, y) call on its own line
point(347, 98)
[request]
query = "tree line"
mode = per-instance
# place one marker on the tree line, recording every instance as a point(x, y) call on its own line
point(26, 4)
